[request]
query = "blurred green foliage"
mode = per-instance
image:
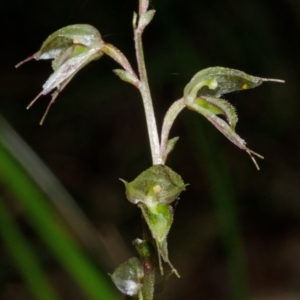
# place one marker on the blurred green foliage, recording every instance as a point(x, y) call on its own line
point(50, 230)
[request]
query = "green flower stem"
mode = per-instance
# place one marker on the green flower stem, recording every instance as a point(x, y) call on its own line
point(146, 96)
point(147, 257)
point(143, 6)
point(169, 119)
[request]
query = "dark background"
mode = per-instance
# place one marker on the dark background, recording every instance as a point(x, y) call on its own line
point(235, 228)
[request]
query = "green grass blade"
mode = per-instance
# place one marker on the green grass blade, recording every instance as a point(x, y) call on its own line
point(23, 257)
point(56, 194)
point(45, 221)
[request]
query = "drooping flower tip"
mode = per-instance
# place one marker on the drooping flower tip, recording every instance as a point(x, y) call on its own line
point(202, 94)
point(71, 48)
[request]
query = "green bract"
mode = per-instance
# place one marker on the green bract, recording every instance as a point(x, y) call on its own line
point(72, 48)
point(202, 94)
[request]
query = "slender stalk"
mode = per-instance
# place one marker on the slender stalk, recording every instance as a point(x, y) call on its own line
point(147, 257)
point(143, 247)
point(146, 96)
point(148, 286)
point(143, 6)
point(169, 119)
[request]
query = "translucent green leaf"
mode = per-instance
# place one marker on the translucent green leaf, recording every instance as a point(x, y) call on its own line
point(128, 277)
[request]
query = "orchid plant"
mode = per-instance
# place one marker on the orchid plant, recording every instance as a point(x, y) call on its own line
point(155, 189)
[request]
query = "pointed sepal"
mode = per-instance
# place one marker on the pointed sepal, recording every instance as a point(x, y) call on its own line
point(159, 219)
